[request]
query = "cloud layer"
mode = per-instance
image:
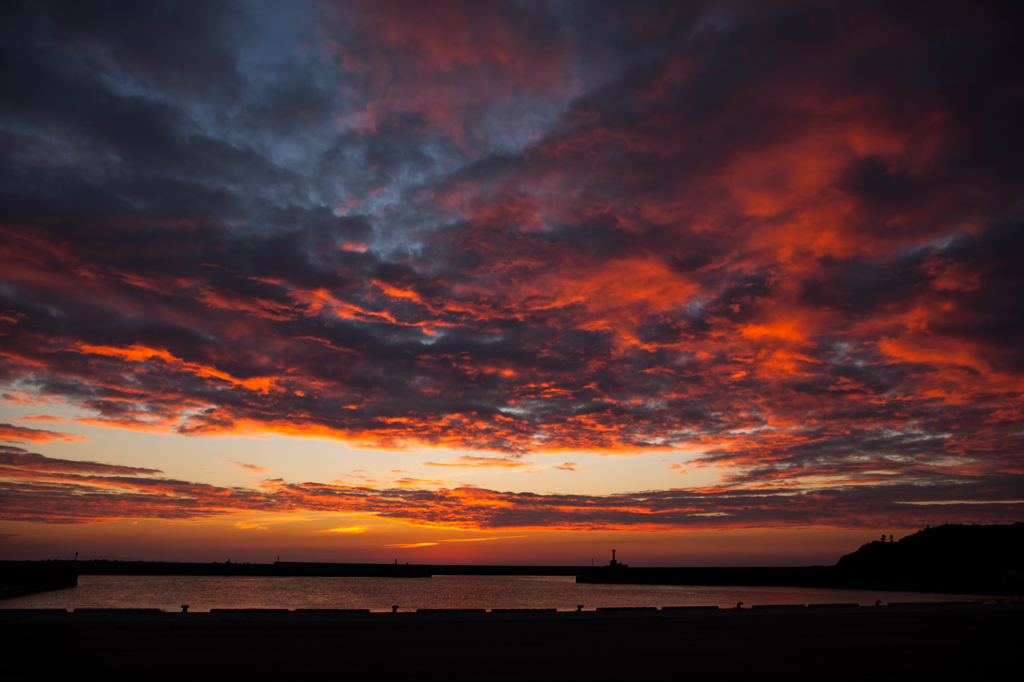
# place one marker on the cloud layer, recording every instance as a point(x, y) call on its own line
point(40, 489)
point(787, 238)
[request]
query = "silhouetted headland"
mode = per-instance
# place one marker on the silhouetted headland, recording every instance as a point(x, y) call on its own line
point(947, 558)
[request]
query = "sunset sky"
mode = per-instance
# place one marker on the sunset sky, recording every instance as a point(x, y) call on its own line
point(507, 282)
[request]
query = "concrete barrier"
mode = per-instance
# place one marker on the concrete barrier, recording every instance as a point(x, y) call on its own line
point(934, 603)
point(91, 609)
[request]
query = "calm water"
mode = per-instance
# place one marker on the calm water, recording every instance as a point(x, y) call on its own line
point(379, 594)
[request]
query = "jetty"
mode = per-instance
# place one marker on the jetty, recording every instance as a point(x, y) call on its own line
point(17, 579)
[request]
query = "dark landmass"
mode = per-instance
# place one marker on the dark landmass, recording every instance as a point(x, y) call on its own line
point(949, 548)
point(861, 643)
point(947, 558)
point(950, 558)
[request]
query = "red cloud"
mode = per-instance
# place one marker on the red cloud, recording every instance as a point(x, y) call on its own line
point(11, 433)
point(16, 463)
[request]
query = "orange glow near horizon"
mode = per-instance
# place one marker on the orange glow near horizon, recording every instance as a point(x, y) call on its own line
point(383, 543)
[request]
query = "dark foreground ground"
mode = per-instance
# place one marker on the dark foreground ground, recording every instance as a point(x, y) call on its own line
point(881, 642)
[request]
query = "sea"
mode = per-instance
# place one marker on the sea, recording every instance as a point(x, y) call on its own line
point(203, 593)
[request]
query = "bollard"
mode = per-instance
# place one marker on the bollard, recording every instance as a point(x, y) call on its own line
point(184, 608)
point(394, 609)
point(739, 604)
point(579, 608)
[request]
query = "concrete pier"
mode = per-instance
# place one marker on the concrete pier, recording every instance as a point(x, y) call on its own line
point(839, 642)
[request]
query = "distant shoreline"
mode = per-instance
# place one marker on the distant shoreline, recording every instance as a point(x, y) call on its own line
point(994, 583)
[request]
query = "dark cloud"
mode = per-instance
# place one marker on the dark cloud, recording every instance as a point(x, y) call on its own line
point(787, 236)
point(17, 462)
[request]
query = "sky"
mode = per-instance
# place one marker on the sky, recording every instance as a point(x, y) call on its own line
point(712, 283)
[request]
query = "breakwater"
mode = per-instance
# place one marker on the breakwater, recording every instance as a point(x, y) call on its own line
point(225, 569)
point(782, 576)
point(18, 580)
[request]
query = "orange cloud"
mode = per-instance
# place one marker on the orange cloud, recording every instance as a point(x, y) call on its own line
point(473, 462)
point(411, 545)
point(251, 468)
point(20, 434)
point(347, 529)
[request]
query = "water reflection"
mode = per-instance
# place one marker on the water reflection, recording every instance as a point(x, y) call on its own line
point(203, 593)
